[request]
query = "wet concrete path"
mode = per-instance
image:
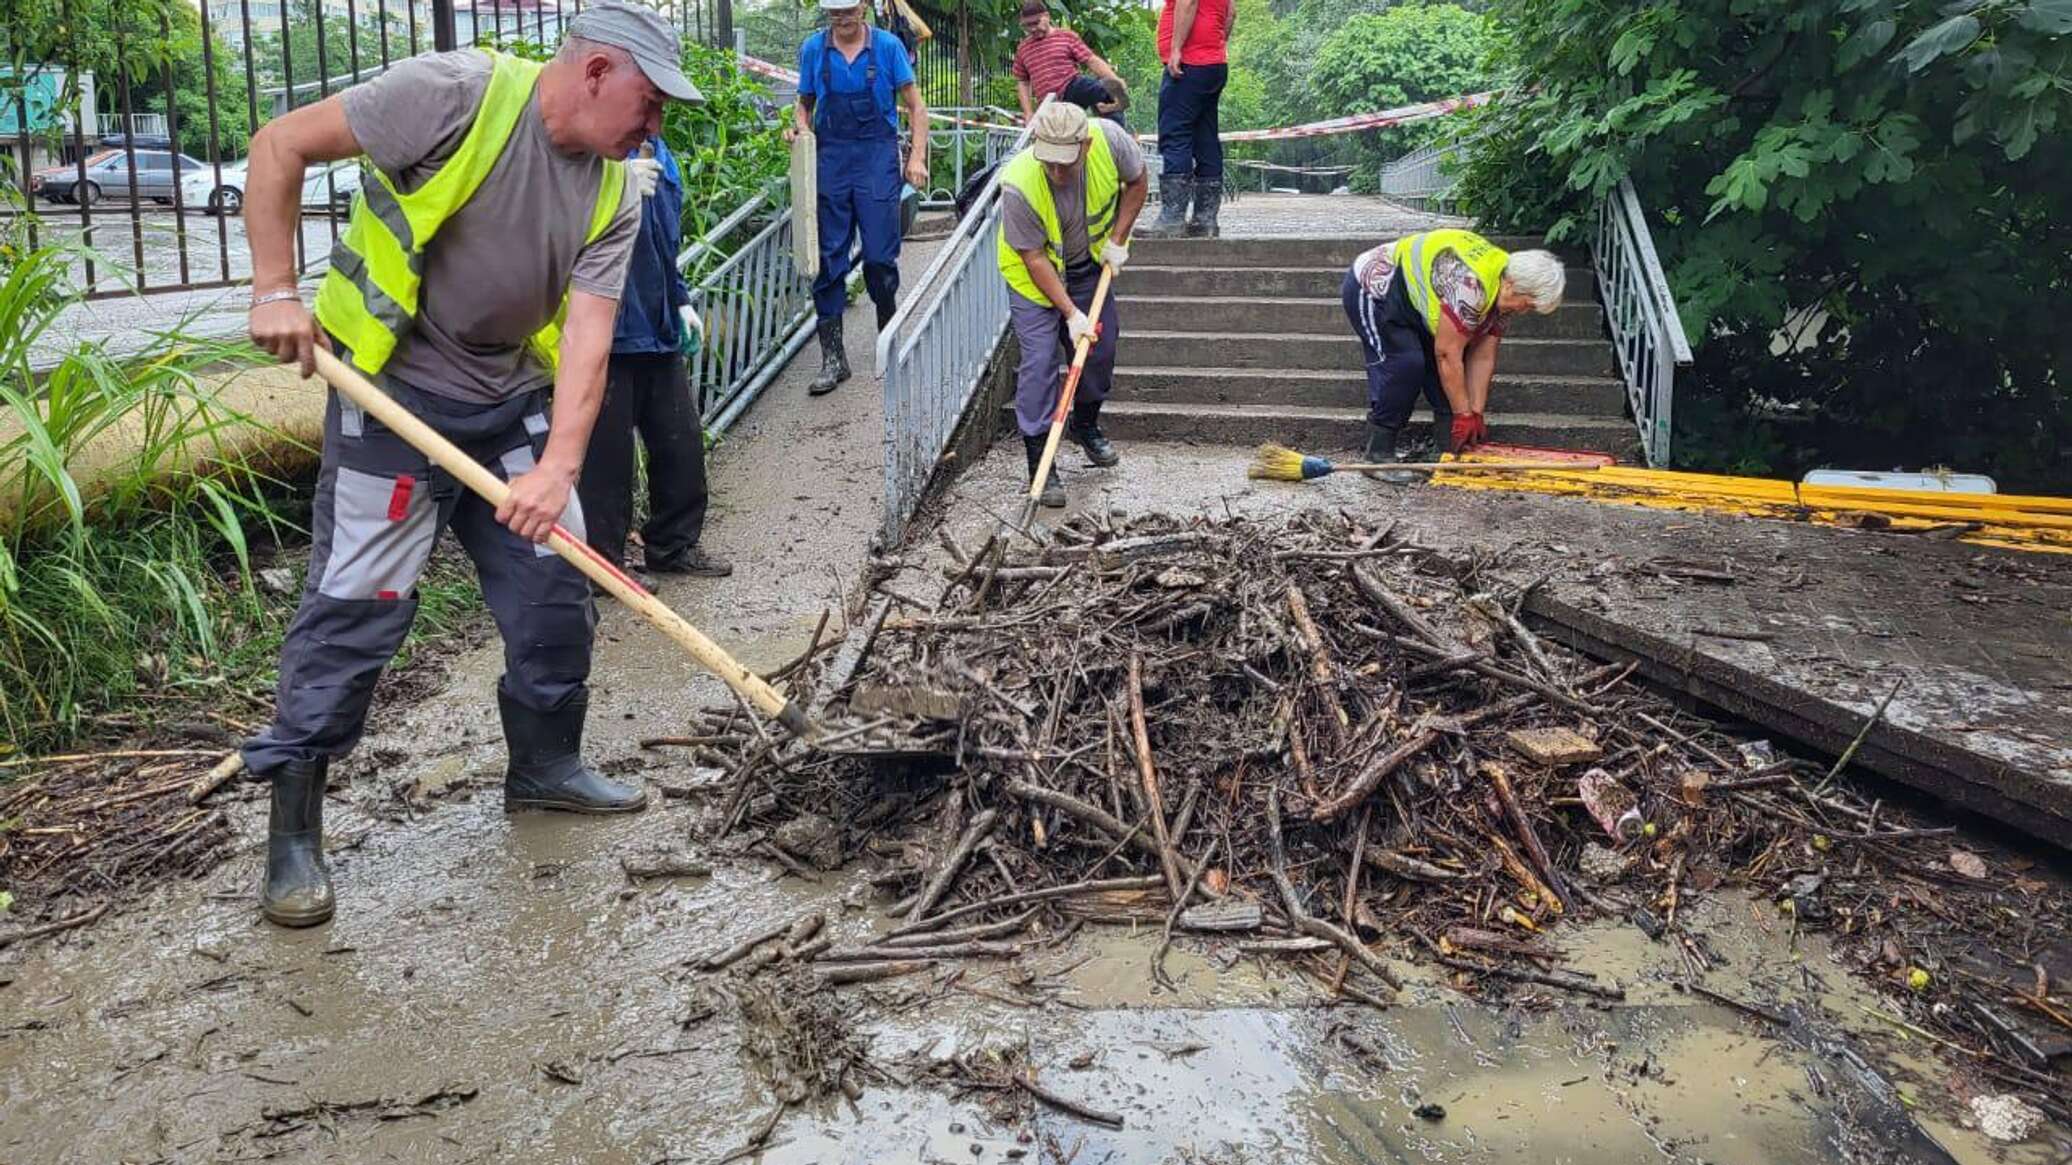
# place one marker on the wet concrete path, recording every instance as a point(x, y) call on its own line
point(494, 988)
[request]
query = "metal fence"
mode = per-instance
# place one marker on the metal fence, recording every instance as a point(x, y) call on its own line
point(136, 167)
point(1647, 333)
point(1423, 177)
point(757, 308)
point(935, 351)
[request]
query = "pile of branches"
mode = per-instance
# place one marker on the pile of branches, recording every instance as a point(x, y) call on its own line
point(1315, 741)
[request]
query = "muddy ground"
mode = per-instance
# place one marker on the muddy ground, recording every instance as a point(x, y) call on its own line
point(494, 988)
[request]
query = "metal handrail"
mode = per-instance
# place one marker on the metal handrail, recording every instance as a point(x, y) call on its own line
point(1421, 174)
point(758, 312)
point(1647, 332)
point(934, 351)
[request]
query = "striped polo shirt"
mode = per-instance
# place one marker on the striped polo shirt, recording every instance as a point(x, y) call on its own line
point(1049, 62)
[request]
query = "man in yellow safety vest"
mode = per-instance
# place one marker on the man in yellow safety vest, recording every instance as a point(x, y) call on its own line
point(1067, 205)
point(480, 273)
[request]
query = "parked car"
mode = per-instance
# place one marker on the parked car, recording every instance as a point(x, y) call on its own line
point(324, 184)
point(108, 176)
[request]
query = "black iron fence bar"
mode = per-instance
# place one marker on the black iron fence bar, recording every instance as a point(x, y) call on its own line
point(129, 148)
point(173, 156)
point(86, 218)
point(208, 68)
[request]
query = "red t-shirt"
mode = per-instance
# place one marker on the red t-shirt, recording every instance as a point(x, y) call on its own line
point(1205, 41)
point(1049, 62)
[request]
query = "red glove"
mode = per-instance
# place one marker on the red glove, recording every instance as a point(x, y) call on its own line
point(1481, 436)
point(1462, 437)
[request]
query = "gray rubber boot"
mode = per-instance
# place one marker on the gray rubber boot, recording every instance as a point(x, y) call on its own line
point(1053, 495)
point(834, 358)
point(1381, 447)
point(547, 769)
point(1208, 202)
point(297, 889)
point(1173, 196)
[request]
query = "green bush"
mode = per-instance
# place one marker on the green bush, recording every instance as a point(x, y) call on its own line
point(1865, 208)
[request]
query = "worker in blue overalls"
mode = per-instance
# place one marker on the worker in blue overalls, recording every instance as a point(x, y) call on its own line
point(846, 97)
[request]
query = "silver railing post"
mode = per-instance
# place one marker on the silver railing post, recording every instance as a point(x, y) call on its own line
point(1647, 332)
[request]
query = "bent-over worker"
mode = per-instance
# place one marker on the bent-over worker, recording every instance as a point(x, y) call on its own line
point(647, 391)
point(1068, 203)
point(1047, 60)
point(514, 165)
point(846, 99)
point(1430, 310)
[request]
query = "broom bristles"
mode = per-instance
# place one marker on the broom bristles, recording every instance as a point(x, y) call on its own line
point(1276, 463)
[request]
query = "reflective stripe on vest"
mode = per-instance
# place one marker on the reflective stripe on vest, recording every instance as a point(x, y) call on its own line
point(1416, 256)
point(369, 298)
point(1103, 195)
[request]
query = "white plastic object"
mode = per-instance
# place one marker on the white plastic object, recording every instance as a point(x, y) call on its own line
point(1955, 483)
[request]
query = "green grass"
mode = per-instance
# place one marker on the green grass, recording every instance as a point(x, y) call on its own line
point(137, 591)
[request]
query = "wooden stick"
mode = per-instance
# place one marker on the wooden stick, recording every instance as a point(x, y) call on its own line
point(1319, 660)
point(599, 569)
point(1065, 395)
point(1501, 782)
point(1149, 882)
point(226, 771)
point(984, 930)
point(77, 920)
point(1154, 804)
point(872, 972)
point(1095, 816)
point(1306, 922)
point(967, 845)
point(1063, 1104)
point(1374, 774)
point(970, 950)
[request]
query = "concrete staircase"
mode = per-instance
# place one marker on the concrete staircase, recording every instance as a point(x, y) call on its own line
point(1237, 341)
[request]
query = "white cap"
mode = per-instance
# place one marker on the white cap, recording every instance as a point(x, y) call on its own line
point(1060, 129)
point(838, 5)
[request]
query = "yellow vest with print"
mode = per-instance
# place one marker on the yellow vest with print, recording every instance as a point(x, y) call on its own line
point(369, 297)
point(1103, 194)
point(1416, 255)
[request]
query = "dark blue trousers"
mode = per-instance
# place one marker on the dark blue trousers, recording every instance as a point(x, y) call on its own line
point(1187, 126)
point(859, 194)
point(1398, 350)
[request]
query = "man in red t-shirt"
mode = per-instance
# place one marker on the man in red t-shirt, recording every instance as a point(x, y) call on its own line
point(1192, 40)
point(1049, 58)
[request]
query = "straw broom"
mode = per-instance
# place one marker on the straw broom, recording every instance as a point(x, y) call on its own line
point(1280, 463)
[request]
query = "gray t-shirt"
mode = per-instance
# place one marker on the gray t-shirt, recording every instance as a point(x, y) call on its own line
point(1025, 228)
point(497, 270)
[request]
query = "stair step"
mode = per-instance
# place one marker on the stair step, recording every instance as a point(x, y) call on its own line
point(1276, 282)
point(1336, 251)
point(1346, 390)
point(1336, 432)
point(1305, 352)
point(1263, 314)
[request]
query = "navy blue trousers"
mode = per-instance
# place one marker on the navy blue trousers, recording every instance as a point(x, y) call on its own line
point(1187, 128)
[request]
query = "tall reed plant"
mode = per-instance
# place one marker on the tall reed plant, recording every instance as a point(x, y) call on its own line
point(127, 514)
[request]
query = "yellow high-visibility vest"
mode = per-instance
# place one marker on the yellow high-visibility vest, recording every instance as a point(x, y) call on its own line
point(369, 298)
point(1415, 256)
point(1103, 194)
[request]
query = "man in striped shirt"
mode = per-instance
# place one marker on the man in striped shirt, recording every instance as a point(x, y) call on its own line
point(1049, 58)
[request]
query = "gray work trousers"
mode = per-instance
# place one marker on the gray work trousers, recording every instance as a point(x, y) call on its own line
point(380, 506)
point(1040, 330)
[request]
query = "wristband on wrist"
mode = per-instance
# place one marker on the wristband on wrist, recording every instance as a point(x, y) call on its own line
point(277, 296)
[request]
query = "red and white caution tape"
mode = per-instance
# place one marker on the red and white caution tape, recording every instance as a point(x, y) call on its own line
point(1352, 123)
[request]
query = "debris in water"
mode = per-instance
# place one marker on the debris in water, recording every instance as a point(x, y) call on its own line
point(2005, 1117)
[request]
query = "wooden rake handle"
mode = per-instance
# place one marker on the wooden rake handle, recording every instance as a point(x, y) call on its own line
point(599, 569)
point(1065, 394)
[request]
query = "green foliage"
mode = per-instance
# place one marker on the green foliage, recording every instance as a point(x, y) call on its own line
point(142, 40)
point(728, 148)
point(1402, 55)
point(1858, 202)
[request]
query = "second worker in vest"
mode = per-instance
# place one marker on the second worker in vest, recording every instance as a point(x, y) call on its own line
point(1429, 311)
point(846, 97)
point(480, 273)
point(1068, 203)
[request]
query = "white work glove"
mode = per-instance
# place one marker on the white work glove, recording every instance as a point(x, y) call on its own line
point(1078, 327)
point(647, 173)
point(1115, 254)
point(693, 330)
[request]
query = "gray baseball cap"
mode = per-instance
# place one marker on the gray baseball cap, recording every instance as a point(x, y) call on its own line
point(646, 35)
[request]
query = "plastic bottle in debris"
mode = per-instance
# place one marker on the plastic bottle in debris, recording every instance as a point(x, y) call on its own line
point(1611, 804)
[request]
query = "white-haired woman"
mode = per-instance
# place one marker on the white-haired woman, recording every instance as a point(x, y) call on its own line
point(1430, 310)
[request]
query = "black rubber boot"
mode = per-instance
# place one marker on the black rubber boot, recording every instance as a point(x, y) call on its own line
point(1381, 448)
point(885, 309)
point(1084, 426)
point(297, 889)
point(1053, 496)
point(1173, 197)
point(547, 769)
point(1208, 201)
point(834, 358)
